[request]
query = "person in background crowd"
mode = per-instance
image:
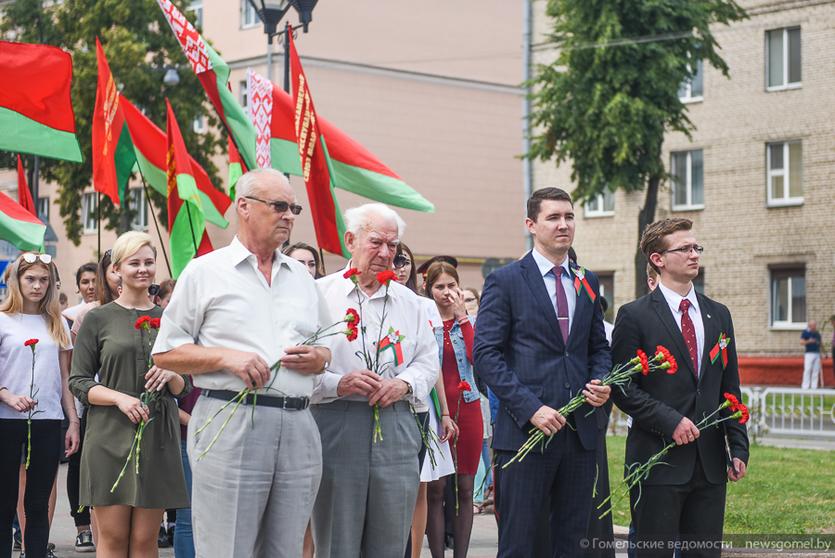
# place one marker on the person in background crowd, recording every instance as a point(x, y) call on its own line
point(307, 255)
point(163, 296)
point(31, 313)
point(85, 282)
point(607, 326)
point(472, 298)
point(108, 286)
point(404, 268)
point(454, 338)
point(110, 369)
point(811, 341)
point(235, 313)
point(424, 267)
point(369, 487)
point(63, 302)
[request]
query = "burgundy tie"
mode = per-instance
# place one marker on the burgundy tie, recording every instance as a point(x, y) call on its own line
point(562, 305)
point(688, 330)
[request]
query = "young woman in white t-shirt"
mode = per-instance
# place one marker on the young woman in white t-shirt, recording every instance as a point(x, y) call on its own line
point(31, 311)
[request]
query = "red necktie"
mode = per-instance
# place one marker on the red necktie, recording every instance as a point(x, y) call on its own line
point(562, 305)
point(688, 330)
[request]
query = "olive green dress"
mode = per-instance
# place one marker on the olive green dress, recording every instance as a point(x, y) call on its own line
point(109, 345)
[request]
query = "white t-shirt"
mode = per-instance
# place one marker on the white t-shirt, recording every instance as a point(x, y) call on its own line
point(16, 364)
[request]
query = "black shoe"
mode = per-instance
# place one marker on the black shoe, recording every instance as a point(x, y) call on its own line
point(162, 538)
point(18, 539)
point(84, 542)
point(449, 541)
point(171, 535)
point(50, 548)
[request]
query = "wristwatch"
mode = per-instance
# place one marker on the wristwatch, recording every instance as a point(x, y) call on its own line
point(326, 365)
point(409, 390)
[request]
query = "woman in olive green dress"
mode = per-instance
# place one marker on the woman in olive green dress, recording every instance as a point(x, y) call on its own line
point(110, 346)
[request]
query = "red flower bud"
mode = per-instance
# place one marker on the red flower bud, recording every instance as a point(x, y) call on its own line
point(154, 322)
point(141, 321)
point(644, 362)
point(352, 316)
point(745, 414)
point(734, 402)
point(673, 364)
point(351, 333)
point(351, 273)
point(30, 342)
point(385, 276)
point(464, 385)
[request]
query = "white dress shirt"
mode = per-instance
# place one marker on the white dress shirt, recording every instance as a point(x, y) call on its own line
point(546, 268)
point(674, 301)
point(223, 300)
point(406, 313)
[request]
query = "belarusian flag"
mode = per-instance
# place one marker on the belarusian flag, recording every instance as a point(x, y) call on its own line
point(19, 227)
point(24, 195)
point(186, 229)
point(36, 113)
point(313, 159)
point(354, 168)
point(236, 167)
point(150, 146)
point(113, 156)
point(213, 74)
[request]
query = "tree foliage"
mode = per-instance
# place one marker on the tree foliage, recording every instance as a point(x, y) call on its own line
point(139, 47)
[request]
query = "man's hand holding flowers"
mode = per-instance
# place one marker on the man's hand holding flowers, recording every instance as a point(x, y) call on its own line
point(548, 420)
point(596, 394)
point(685, 432)
point(20, 403)
point(391, 391)
point(306, 359)
point(249, 367)
point(359, 382)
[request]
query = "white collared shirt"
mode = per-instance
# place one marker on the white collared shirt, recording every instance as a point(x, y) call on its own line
point(546, 268)
point(406, 313)
point(674, 301)
point(223, 300)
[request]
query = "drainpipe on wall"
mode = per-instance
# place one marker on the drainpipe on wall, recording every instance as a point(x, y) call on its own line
point(527, 164)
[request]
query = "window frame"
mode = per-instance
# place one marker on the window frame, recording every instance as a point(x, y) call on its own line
point(785, 85)
point(88, 199)
point(688, 85)
point(243, 93)
point(139, 221)
point(246, 8)
point(689, 206)
point(788, 272)
point(785, 173)
point(42, 204)
point(600, 201)
point(196, 8)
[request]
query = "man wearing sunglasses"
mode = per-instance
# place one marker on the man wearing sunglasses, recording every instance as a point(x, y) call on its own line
point(235, 313)
point(684, 501)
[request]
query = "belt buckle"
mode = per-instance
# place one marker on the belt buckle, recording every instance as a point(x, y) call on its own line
point(284, 403)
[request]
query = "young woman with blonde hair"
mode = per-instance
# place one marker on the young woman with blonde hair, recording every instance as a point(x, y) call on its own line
point(34, 367)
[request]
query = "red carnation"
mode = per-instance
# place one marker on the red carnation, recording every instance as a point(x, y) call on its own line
point(351, 333)
point(351, 273)
point(30, 342)
point(464, 385)
point(154, 322)
point(352, 316)
point(745, 414)
point(673, 364)
point(385, 276)
point(644, 362)
point(734, 402)
point(141, 321)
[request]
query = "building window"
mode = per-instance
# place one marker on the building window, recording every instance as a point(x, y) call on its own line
point(196, 8)
point(243, 93)
point(788, 297)
point(249, 17)
point(89, 206)
point(43, 209)
point(607, 291)
point(601, 205)
point(200, 125)
point(784, 162)
point(782, 58)
point(692, 88)
point(687, 170)
point(139, 222)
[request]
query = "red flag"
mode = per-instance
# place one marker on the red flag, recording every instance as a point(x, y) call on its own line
point(313, 160)
point(24, 196)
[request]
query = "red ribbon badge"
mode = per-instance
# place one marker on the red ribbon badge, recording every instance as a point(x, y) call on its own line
point(721, 347)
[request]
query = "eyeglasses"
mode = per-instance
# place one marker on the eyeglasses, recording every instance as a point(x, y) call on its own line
point(279, 206)
point(686, 249)
point(468, 300)
point(401, 261)
point(31, 257)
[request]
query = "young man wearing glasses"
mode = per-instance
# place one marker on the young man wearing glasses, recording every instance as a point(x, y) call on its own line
point(684, 502)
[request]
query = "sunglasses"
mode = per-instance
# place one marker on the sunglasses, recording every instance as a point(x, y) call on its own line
point(401, 261)
point(279, 206)
point(31, 257)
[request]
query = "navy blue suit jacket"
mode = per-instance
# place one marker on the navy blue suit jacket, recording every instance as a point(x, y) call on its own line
point(520, 354)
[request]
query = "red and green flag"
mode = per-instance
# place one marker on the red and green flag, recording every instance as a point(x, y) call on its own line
point(186, 228)
point(24, 195)
point(393, 341)
point(113, 155)
point(19, 227)
point(327, 218)
point(236, 168)
point(213, 73)
point(150, 146)
point(36, 114)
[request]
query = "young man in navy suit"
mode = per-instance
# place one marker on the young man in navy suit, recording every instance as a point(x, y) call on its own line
point(539, 341)
point(683, 502)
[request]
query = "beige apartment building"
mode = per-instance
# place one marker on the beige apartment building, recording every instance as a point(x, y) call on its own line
point(756, 179)
point(431, 89)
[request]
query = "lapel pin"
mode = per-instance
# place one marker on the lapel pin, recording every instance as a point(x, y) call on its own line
point(708, 316)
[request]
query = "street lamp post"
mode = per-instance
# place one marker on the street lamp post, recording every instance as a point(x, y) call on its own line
point(271, 13)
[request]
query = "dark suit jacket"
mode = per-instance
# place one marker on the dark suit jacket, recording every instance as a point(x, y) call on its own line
point(657, 402)
point(520, 353)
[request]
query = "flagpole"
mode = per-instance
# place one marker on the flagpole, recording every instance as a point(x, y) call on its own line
point(98, 223)
point(191, 227)
point(156, 224)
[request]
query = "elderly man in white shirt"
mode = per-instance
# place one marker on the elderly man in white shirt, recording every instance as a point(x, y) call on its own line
point(236, 312)
point(368, 492)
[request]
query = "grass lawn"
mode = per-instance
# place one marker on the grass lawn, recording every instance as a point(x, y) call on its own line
point(786, 491)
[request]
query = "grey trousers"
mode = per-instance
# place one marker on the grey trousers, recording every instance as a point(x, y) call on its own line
point(367, 498)
point(253, 492)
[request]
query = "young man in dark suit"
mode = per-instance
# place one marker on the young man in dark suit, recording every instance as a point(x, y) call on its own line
point(684, 500)
point(539, 341)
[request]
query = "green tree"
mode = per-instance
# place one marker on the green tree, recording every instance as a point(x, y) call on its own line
point(139, 47)
point(607, 100)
